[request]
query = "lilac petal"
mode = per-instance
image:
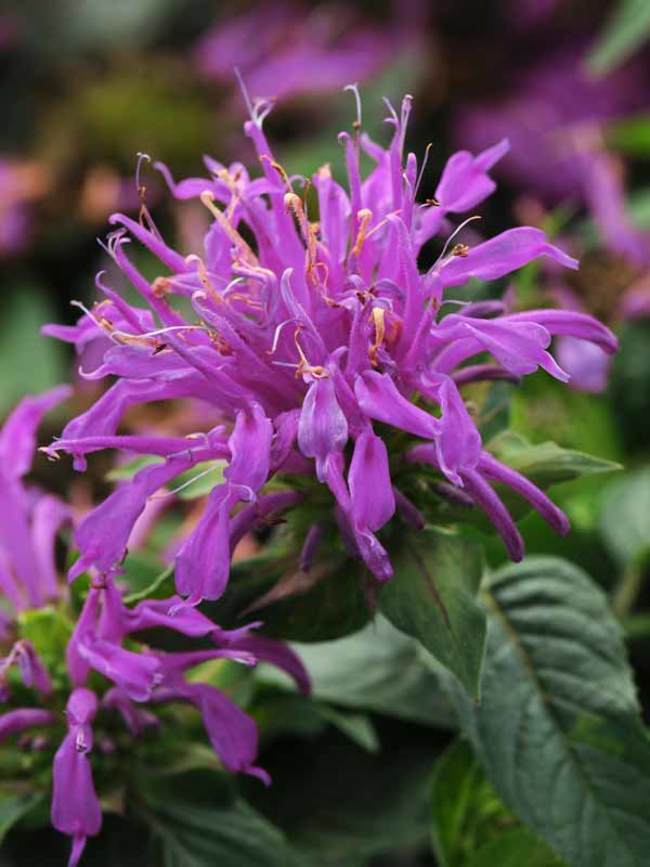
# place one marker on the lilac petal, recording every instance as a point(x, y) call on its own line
point(501, 255)
point(323, 428)
point(157, 612)
point(75, 807)
point(465, 182)
point(173, 260)
point(484, 373)
point(519, 345)
point(279, 654)
point(82, 707)
point(87, 622)
point(250, 448)
point(571, 323)
point(135, 673)
point(32, 671)
point(458, 443)
point(24, 718)
point(310, 547)
point(15, 537)
point(18, 435)
point(371, 493)
point(9, 587)
point(497, 513)
point(135, 718)
point(494, 470)
point(48, 516)
point(373, 554)
point(103, 535)
point(587, 364)
point(232, 733)
point(203, 562)
point(380, 400)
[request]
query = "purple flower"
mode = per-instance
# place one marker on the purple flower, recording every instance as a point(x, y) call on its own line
point(75, 807)
point(28, 524)
point(308, 334)
point(284, 51)
point(104, 643)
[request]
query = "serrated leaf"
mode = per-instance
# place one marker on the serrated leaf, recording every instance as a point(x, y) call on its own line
point(624, 33)
point(198, 826)
point(471, 826)
point(547, 463)
point(558, 730)
point(13, 807)
point(431, 598)
point(378, 669)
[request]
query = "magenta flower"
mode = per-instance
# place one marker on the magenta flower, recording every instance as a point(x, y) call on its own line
point(307, 336)
point(284, 51)
point(131, 675)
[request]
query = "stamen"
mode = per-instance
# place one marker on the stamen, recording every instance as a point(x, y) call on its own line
point(124, 337)
point(364, 215)
point(207, 198)
point(425, 160)
point(245, 94)
point(451, 238)
point(378, 315)
point(204, 278)
point(354, 89)
point(186, 484)
point(304, 366)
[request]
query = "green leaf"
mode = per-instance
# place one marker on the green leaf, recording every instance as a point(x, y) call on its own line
point(471, 826)
point(31, 363)
point(558, 730)
point(196, 824)
point(160, 587)
point(13, 807)
point(547, 463)
point(126, 471)
point(514, 848)
point(356, 726)
point(631, 135)
point(627, 30)
point(625, 517)
point(431, 598)
point(378, 669)
point(334, 604)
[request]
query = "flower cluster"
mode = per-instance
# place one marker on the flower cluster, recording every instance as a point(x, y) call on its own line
point(131, 676)
point(323, 348)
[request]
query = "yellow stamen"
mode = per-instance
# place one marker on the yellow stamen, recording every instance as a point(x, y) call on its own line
point(364, 215)
point(207, 198)
point(378, 318)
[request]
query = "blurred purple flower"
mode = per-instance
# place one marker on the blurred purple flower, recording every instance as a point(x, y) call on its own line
point(551, 115)
point(284, 50)
point(307, 336)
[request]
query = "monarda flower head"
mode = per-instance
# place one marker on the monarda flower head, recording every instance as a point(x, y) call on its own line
point(333, 360)
point(84, 674)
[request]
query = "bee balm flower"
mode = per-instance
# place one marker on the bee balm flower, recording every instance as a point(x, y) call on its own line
point(320, 342)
